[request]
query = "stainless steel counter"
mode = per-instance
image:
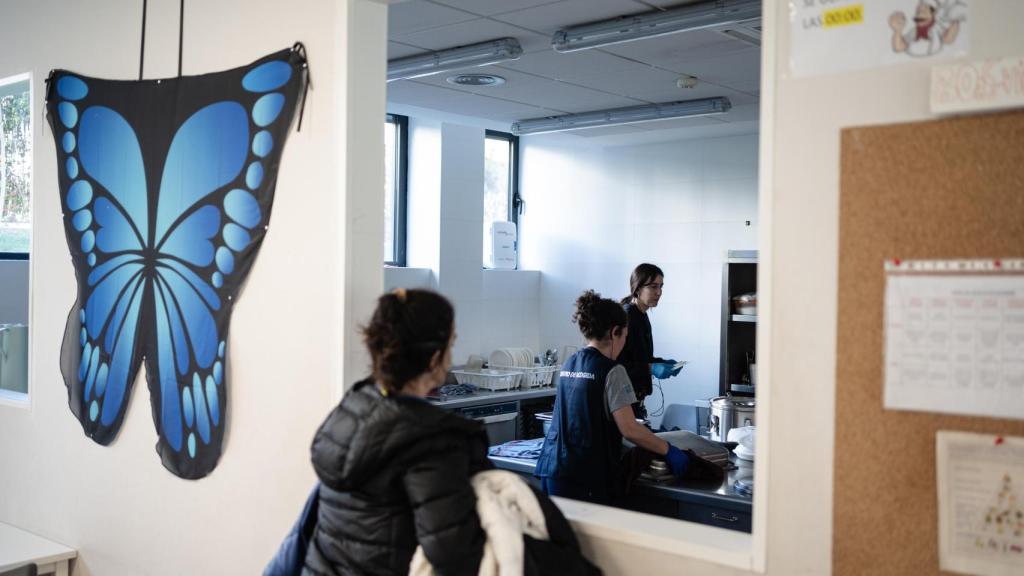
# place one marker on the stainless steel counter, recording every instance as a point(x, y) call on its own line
point(482, 397)
point(715, 504)
point(722, 494)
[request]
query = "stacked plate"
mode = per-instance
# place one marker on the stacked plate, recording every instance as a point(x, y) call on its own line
point(511, 358)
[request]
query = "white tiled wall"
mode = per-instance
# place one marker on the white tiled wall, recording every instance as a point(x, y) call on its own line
point(595, 213)
point(424, 194)
point(408, 278)
point(493, 308)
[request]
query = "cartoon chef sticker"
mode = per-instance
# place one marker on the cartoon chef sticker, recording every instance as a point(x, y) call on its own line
point(935, 23)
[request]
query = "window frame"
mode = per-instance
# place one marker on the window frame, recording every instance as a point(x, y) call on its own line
point(516, 204)
point(5, 84)
point(515, 201)
point(401, 202)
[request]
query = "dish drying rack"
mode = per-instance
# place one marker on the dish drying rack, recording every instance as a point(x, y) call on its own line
point(538, 376)
point(495, 380)
point(504, 379)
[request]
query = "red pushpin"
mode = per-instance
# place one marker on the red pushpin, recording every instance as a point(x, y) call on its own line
point(999, 440)
point(896, 261)
point(998, 264)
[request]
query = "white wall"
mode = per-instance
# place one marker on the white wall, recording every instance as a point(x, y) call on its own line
point(493, 308)
point(117, 505)
point(423, 240)
point(14, 291)
point(593, 214)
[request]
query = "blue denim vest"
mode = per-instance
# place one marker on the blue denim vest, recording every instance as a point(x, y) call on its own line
point(584, 444)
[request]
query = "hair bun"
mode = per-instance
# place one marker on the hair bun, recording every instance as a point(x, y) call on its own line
point(597, 316)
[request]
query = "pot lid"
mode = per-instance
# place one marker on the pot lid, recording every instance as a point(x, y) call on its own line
point(732, 401)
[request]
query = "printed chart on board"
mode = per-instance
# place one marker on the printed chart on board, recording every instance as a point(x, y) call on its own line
point(981, 503)
point(954, 337)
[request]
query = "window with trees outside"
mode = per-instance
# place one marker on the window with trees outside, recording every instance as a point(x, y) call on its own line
point(15, 167)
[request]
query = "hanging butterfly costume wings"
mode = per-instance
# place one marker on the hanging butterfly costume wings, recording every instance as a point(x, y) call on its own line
point(166, 188)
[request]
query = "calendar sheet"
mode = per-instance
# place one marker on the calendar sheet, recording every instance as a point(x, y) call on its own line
point(954, 337)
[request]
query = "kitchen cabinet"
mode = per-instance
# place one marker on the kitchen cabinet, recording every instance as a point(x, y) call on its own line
point(739, 331)
point(506, 415)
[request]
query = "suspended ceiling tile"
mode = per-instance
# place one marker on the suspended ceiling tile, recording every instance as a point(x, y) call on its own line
point(491, 7)
point(500, 110)
point(743, 113)
point(472, 32)
point(642, 82)
point(538, 91)
point(680, 47)
point(399, 50)
point(733, 70)
point(550, 17)
point(407, 17)
point(609, 77)
point(426, 96)
point(455, 101)
point(556, 65)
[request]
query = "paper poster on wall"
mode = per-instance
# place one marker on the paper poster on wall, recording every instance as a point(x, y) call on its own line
point(980, 489)
point(166, 188)
point(991, 84)
point(954, 337)
point(830, 36)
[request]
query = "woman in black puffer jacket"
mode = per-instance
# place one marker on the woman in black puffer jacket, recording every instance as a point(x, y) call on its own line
point(395, 469)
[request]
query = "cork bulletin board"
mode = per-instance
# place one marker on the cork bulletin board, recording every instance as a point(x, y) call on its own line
point(944, 189)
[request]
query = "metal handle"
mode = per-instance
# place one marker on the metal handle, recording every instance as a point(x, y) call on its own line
point(498, 418)
point(715, 516)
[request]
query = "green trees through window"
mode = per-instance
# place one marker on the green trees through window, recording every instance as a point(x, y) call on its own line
point(15, 168)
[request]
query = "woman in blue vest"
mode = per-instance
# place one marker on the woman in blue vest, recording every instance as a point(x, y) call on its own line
point(645, 285)
point(593, 412)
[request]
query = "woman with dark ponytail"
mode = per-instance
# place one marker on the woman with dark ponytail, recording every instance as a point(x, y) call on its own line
point(645, 285)
point(593, 412)
point(394, 469)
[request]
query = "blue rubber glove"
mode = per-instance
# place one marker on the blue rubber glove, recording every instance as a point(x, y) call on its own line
point(661, 371)
point(673, 362)
point(678, 461)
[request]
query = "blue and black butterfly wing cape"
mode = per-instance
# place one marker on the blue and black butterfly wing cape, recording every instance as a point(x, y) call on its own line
point(166, 188)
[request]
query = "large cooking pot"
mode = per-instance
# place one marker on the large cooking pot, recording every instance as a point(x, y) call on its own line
point(728, 412)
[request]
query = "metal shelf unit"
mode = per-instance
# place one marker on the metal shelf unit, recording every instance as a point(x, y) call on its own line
point(739, 331)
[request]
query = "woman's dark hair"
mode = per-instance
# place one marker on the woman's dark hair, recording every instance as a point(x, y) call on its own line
point(597, 316)
point(642, 275)
point(406, 330)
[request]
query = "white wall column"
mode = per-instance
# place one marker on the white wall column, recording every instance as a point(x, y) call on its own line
point(362, 50)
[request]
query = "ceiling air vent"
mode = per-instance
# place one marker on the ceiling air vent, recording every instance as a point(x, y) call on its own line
point(476, 80)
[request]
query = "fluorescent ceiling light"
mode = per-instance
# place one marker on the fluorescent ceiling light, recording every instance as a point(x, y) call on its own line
point(628, 115)
point(481, 54)
point(655, 23)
